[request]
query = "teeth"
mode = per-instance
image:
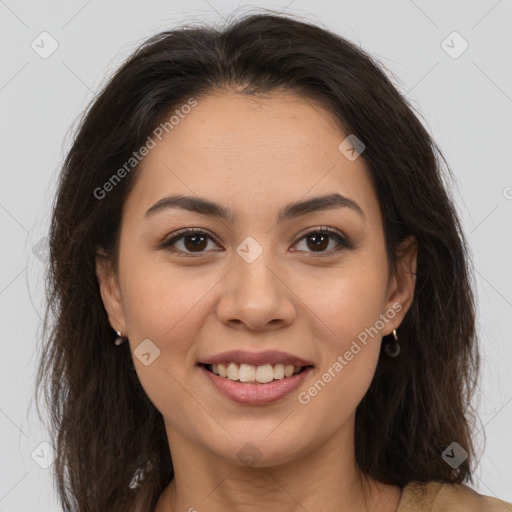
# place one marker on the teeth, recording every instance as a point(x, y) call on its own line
point(223, 370)
point(278, 371)
point(246, 373)
point(263, 374)
point(233, 371)
point(250, 373)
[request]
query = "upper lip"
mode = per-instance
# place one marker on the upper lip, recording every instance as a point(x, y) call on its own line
point(257, 358)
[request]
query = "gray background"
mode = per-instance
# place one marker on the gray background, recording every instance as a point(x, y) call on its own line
point(466, 103)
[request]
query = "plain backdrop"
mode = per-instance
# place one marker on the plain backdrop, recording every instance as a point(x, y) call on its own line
point(464, 96)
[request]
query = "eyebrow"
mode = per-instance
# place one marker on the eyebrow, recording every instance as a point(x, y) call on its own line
point(206, 207)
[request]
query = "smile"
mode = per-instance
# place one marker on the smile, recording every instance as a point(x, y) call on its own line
point(252, 392)
point(249, 373)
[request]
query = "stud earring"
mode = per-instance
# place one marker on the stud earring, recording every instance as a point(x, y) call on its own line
point(120, 339)
point(392, 348)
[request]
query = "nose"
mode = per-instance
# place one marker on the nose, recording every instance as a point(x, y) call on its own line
point(256, 296)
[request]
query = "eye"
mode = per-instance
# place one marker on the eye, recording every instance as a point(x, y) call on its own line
point(320, 239)
point(195, 241)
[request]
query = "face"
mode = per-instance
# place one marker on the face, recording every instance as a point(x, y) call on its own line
point(312, 281)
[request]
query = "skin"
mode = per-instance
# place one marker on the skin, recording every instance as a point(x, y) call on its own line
point(255, 155)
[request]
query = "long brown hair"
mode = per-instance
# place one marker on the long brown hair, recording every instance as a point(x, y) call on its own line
point(106, 430)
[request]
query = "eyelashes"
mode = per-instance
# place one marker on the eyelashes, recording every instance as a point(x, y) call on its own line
point(200, 239)
point(183, 235)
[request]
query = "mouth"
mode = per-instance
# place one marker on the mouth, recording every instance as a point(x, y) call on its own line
point(251, 374)
point(252, 385)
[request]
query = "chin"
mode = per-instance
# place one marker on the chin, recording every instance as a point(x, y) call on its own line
point(253, 449)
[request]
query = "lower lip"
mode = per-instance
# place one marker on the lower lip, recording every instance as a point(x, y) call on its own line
point(256, 394)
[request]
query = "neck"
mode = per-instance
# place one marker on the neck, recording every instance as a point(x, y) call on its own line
point(326, 478)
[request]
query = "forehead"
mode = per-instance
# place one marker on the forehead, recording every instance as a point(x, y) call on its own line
point(252, 152)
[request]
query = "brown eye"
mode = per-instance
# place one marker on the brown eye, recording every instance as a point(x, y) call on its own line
point(193, 241)
point(318, 241)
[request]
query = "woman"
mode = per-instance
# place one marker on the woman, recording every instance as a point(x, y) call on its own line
point(261, 290)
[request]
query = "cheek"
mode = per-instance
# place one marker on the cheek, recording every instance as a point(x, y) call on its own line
point(345, 300)
point(346, 310)
point(348, 353)
point(166, 306)
point(159, 300)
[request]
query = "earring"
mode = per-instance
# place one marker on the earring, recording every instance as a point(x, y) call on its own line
point(120, 339)
point(392, 348)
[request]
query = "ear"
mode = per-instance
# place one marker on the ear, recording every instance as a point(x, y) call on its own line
point(402, 282)
point(110, 293)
